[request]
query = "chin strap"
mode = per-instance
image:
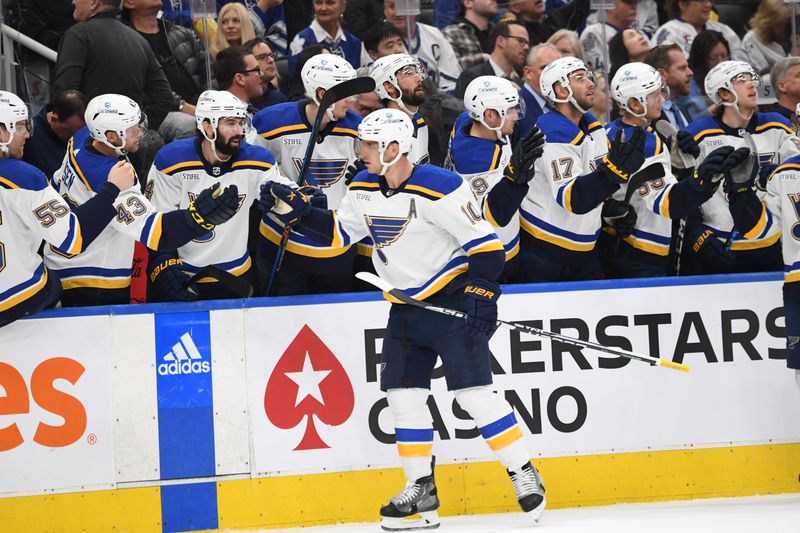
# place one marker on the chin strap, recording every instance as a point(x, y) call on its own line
point(213, 148)
point(385, 166)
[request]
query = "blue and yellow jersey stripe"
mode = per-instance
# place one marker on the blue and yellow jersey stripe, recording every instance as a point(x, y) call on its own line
point(237, 267)
point(773, 125)
point(302, 245)
point(568, 240)
point(488, 243)
point(25, 290)
point(437, 282)
point(75, 166)
point(152, 230)
point(7, 183)
point(73, 242)
point(564, 196)
point(94, 277)
point(284, 130)
point(180, 167)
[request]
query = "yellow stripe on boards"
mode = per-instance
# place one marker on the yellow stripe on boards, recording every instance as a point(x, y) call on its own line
point(465, 488)
point(131, 510)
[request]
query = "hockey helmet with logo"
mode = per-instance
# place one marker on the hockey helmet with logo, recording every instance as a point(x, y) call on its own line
point(637, 81)
point(722, 77)
point(559, 71)
point(323, 71)
point(214, 105)
point(385, 126)
point(492, 92)
point(117, 113)
point(386, 68)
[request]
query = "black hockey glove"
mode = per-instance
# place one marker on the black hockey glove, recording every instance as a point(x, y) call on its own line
point(740, 170)
point(171, 283)
point(290, 204)
point(764, 173)
point(351, 172)
point(687, 144)
point(708, 175)
point(624, 157)
point(212, 206)
point(265, 199)
point(315, 195)
point(523, 158)
point(711, 252)
point(482, 296)
point(620, 216)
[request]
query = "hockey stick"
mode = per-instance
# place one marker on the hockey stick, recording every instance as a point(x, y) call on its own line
point(653, 172)
point(338, 92)
point(386, 287)
point(238, 286)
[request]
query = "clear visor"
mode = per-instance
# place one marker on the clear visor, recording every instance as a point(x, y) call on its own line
point(582, 75)
point(234, 126)
point(662, 94)
point(411, 70)
point(746, 77)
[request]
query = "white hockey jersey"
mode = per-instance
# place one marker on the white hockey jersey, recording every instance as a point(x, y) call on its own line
point(782, 210)
point(436, 55)
point(106, 263)
point(481, 163)
point(571, 151)
point(683, 34)
point(776, 143)
point(419, 144)
point(653, 230)
point(30, 211)
point(285, 131)
point(180, 173)
point(593, 44)
point(423, 231)
point(646, 17)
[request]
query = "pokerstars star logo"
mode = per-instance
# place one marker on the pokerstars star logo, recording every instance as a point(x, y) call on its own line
point(308, 382)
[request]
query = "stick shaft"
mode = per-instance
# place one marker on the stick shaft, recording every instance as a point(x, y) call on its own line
point(541, 333)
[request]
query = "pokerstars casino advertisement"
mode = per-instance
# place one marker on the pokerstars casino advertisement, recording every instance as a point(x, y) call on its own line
point(315, 404)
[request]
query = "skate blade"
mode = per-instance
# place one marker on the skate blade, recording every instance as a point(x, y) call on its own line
point(424, 520)
point(536, 513)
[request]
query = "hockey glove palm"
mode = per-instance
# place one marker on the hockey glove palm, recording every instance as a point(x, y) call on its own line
point(171, 283)
point(620, 216)
point(481, 309)
point(707, 176)
point(683, 149)
point(351, 172)
point(290, 204)
point(740, 169)
point(624, 157)
point(212, 206)
point(528, 150)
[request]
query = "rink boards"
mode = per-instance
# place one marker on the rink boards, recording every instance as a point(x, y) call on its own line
point(268, 413)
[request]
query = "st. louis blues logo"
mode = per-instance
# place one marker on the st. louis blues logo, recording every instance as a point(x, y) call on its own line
point(322, 172)
point(386, 230)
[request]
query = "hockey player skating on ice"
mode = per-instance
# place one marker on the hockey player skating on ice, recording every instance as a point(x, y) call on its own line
point(780, 209)
point(432, 243)
point(285, 130)
point(480, 148)
point(182, 170)
point(102, 274)
point(715, 246)
point(32, 211)
point(637, 244)
point(560, 207)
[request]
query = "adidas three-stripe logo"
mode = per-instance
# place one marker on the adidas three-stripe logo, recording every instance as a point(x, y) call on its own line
point(184, 358)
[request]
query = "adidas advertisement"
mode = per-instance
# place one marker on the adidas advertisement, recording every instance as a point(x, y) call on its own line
point(185, 395)
point(184, 358)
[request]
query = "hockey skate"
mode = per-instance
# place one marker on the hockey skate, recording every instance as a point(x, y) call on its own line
point(529, 489)
point(417, 498)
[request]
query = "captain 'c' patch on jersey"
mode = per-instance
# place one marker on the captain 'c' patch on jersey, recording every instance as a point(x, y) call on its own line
point(322, 172)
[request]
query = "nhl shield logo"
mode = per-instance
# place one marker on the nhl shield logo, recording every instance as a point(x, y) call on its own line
point(216, 171)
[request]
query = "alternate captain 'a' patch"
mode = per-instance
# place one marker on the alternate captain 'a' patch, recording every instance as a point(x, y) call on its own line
point(322, 173)
point(386, 230)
